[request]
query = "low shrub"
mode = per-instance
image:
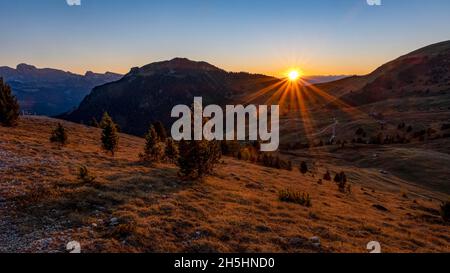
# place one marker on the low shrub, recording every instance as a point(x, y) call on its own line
point(445, 211)
point(341, 180)
point(289, 196)
point(327, 176)
point(84, 175)
point(303, 167)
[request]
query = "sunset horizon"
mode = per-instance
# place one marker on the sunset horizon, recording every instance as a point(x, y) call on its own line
point(225, 135)
point(100, 43)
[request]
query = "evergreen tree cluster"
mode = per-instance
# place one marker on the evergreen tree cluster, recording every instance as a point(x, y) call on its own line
point(9, 107)
point(194, 158)
point(158, 147)
point(198, 158)
point(251, 152)
point(154, 146)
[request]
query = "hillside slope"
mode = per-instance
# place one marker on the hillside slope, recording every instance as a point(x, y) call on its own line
point(136, 208)
point(421, 73)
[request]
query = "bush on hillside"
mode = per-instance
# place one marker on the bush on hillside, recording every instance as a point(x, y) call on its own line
point(154, 149)
point(327, 176)
point(84, 175)
point(303, 167)
point(289, 196)
point(198, 158)
point(59, 135)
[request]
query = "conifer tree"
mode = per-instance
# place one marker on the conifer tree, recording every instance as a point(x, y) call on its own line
point(9, 107)
point(171, 150)
point(110, 138)
point(59, 135)
point(327, 176)
point(303, 167)
point(160, 131)
point(154, 148)
point(198, 158)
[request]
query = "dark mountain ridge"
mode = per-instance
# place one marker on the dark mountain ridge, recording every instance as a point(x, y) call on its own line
point(147, 94)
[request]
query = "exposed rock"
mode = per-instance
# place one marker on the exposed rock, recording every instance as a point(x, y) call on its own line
point(315, 241)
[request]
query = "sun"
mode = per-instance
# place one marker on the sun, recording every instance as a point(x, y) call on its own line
point(294, 75)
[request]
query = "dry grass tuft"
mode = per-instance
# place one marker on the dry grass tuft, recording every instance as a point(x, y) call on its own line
point(303, 199)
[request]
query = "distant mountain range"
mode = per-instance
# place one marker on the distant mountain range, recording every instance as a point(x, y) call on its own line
point(49, 91)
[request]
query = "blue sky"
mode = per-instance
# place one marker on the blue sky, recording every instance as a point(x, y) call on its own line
point(317, 36)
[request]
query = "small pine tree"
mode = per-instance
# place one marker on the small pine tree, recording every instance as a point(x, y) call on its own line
point(9, 107)
point(197, 158)
point(224, 147)
point(337, 178)
point(104, 122)
point(160, 131)
point(341, 180)
point(327, 176)
point(59, 135)
point(110, 138)
point(171, 150)
point(185, 162)
point(289, 165)
point(151, 139)
point(154, 149)
point(303, 167)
